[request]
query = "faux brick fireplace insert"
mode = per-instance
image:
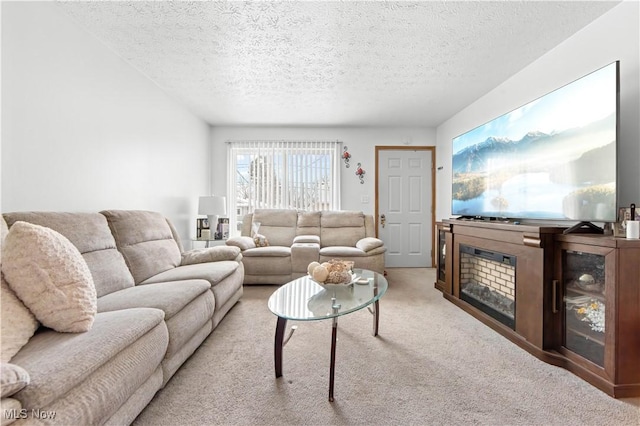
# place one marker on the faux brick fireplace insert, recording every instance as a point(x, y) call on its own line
point(488, 282)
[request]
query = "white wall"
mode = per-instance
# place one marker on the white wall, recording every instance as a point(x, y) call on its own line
point(614, 36)
point(360, 141)
point(84, 131)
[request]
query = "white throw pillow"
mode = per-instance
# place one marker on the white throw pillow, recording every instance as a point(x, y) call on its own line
point(48, 273)
point(369, 243)
point(17, 323)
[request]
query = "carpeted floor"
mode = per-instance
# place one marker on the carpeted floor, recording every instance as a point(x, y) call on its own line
point(432, 364)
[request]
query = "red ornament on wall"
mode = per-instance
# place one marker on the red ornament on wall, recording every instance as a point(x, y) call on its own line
point(360, 173)
point(346, 156)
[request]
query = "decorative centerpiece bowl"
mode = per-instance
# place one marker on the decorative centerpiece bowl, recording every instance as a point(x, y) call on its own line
point(333, 272)
point(352, 279)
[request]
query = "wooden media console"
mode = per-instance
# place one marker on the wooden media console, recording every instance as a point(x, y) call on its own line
point(572, 300)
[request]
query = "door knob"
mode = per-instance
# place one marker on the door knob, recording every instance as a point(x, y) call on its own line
point(383, 220)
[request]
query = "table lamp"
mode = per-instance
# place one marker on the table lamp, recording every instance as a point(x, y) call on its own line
point(212, 206)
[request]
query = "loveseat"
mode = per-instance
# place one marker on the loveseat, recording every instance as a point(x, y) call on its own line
point(145, 305)
point(277, 245)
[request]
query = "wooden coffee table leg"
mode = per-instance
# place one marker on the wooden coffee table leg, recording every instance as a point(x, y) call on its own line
point(278, 345)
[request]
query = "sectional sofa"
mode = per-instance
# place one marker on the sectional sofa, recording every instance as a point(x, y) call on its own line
point(145, 306)
point(277, 245)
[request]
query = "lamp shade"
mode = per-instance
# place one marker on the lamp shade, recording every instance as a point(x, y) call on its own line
point(214, 205)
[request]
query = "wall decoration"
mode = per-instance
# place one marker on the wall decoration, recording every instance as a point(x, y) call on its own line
point(346, 156)
point(360, 173)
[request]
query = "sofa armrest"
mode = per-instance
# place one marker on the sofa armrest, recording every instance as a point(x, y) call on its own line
point(13, 379)
point(307, 239)
point(210, 254)
point(243, 243)
point(369, 243)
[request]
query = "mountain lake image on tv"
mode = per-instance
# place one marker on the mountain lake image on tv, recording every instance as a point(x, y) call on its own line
point(551, 159)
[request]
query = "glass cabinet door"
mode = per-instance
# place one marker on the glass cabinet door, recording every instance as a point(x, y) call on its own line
point(583, 276)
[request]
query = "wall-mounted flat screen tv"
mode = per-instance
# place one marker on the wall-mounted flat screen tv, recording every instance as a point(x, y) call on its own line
point(551, 159)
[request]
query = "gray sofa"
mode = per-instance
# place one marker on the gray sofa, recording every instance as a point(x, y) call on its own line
point(156, 304)
point(296, 238)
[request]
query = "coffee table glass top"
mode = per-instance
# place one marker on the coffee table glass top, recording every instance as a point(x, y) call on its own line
point(304, 299)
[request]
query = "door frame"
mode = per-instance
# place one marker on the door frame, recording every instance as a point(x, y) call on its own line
point(433, 186)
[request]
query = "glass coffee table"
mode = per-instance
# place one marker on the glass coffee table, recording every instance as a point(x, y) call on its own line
point(304, 299)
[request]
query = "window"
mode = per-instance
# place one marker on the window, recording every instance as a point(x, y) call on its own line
point(282, 175)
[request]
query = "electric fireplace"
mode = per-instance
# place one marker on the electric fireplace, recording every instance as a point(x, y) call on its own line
point(488, 282)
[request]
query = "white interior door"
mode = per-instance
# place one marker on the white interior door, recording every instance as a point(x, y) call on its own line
point(405, 207)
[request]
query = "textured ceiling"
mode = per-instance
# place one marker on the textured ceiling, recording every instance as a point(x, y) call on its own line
point(331, 63)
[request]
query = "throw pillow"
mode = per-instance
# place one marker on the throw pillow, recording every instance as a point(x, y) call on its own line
point(17, 323)
point(13, 378)
point(260, 240)
point(48, 273)
point(369, 243)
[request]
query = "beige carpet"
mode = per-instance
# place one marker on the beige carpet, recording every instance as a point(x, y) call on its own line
point(431, 364)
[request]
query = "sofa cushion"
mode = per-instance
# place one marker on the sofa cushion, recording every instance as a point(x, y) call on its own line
point(17, 322)
point(187, 305)
point(146, 241)
point(170, 297)
point(277, 225)
point(12, 378)
point(341, 228)
point(214, 272)
point(58, 363)
point(308, 223)
point(221, 276)
point(50, 276)
point(135, 373)
point(90, 233)
point(342, 219)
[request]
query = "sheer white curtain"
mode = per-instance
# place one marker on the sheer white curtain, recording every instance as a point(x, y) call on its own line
point(303, 175)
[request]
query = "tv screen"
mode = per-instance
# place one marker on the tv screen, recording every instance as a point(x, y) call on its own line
point(551, 159)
